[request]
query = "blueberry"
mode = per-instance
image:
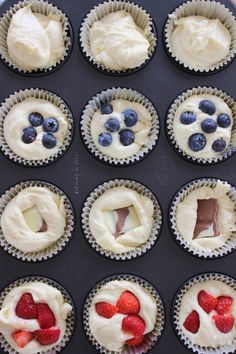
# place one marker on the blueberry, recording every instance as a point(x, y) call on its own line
point(187, 118)
point(50, 125)
point(207, 107)
point(130, 117)
point(29, 135)
point(219, 145)
point(35, 119)
point(197, 142)
point(126, 137)
point(106, 108)
point(105, 139)
point(112, 125)
point(223, 120)
point(209, 125)
point(49, 141)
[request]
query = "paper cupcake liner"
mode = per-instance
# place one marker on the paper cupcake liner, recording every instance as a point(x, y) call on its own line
point(230, 244)
point(142, 19)
point(20, 96)
point(150, 338)
point(113, 94)
point(70, 321)
point(137, 251)
point(44, 8)
point(170, 120)
point(54, 248)
point(211, 10)
point(226, 349)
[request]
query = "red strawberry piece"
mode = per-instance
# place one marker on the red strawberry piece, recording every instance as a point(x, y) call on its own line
point(22, 338)
point(26, 307)
point(134, 325)
point(128, 304)
point(46, 317)
point(105, 309)
point(47, 336)
point(223, 305)
point(206, 301)
point(224, 323)
point(135, 341)
point(192, 322)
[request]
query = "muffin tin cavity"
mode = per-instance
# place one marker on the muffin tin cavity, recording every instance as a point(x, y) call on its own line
point(201, 125)
point(212, 119)
point(120, 126)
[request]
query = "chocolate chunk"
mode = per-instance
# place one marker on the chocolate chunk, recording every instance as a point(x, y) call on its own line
point(122, 215)
point(44, 227)
point(207, 218)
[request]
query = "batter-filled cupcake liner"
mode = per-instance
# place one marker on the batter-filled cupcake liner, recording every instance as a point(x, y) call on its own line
point(151, 338)
point(230, 244)
point(171, 116)
point(211, 10)
point(226, 349)
point(44, 8)
point(70, 320)
point(157, 219)
point(57, 246)
point(36, 93)
point(119, 94)
point(141, 18)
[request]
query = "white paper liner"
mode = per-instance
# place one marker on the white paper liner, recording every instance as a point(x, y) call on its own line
point(37, 6)
point(70, 321)
point(54, 248)
point(211, 10)
point(157, 219)
point(176, 308)
point(150, 338)
point(123, 94)
point(141, 18)
point(171, 115)
point(230, 244)
point(20, 96)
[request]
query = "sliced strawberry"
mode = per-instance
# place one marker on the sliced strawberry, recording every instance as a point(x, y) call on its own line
point(224, 323)
point(134, 325)
point(26, 307)
point(105, 309)
point(128, 304)
point(47, 336)
point(192, 322)
point(22, 338)
point(135, 341)
point(46, 317)
point(223, 304)
point(206, 301)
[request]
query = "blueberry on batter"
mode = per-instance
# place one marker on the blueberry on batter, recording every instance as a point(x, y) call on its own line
point(127, 137)
point(106, 108)
point(188, 118)
point(105, 139)
point(112, 125)
point(197, 142)
point(219, 145)
point(35, 119)
point(29, 135)
point(207, 107)
point(49, 141)
point(223, 120)
point(209, 125)
point(130, 117)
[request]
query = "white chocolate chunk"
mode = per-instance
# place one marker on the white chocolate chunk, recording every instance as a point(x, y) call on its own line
point(33, 218)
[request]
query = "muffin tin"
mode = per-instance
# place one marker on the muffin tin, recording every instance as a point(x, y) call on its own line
point(79, 268)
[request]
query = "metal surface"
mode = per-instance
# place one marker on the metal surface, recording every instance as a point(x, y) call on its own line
point(78, 268)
